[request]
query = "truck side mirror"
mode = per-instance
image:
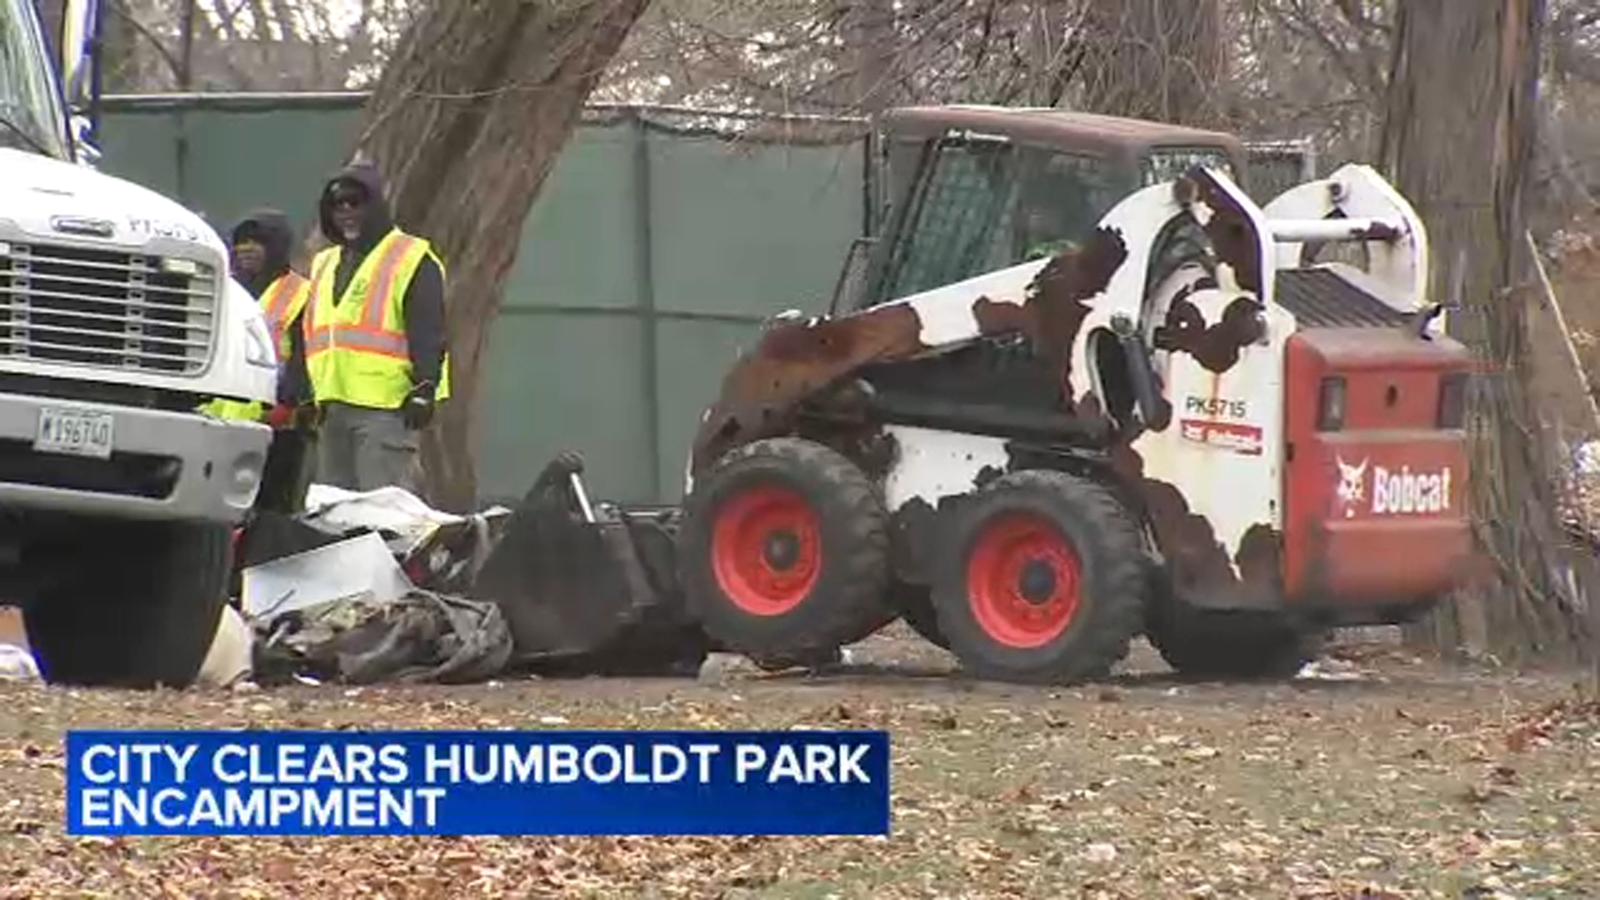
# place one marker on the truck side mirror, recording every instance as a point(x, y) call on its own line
point(850, 273)
point(84, 149)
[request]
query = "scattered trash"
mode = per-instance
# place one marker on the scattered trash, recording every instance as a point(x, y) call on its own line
point(361, 565)
point(228, 662)
point(418, 637)
point(16, 657)
point(409, 522)
point(378, 586)
point(1100, 853)
point(17, 664)
point(1332, 670)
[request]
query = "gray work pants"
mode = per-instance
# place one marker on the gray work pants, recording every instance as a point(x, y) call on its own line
point(362, 449)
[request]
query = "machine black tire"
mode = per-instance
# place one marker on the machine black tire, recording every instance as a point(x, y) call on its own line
point(837, 531)
point(1081, 533)
point(140, 609)
point(914, 602)
point(1231, 645)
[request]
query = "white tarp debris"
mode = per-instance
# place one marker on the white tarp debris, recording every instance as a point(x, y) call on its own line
point(228, 661)
point(359, 566)
point(391, 510)
point(1332, 670)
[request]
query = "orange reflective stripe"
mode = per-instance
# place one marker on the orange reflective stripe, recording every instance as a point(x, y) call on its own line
point(379, 298)
point(382, 343)
point(369, 334)
point(279, 300)
point(281, 295)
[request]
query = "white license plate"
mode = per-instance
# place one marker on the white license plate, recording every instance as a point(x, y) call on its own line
point(74, 431)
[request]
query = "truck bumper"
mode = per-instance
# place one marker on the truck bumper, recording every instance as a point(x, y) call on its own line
point(163, 465)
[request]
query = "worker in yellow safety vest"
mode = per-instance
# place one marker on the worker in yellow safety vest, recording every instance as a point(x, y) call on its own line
point(261, 245)
point(374, 334)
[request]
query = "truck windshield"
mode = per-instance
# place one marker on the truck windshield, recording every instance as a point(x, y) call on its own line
point(31, 115)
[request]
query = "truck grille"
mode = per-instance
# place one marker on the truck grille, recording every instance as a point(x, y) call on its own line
point(106, 309)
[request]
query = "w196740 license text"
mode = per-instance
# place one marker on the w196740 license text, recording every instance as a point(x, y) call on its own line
point(76, 432)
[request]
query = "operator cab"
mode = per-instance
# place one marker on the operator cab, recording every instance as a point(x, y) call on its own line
point(976, 189)
point(973, 189)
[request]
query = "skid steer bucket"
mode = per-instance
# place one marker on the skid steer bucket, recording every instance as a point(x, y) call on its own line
point(589, 589)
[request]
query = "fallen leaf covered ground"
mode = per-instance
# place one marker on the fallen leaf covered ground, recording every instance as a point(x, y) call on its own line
point(1405, 780)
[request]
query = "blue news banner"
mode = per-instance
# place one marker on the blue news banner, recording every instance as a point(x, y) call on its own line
point(477, 783)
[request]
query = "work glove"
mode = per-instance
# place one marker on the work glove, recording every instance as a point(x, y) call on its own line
point(281, 417)
point(417, 411)
point(307, 417)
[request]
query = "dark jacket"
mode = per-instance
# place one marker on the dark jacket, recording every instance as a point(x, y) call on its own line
point(271, 229)
point(423, 303)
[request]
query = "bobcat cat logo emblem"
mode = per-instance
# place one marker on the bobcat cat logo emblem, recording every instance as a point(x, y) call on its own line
point(1352, 485)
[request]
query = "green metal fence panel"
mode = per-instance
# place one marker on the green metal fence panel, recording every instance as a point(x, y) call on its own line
point(580, 242)
point(141, 147)
point(695, 354)
point(777, 220)
point(565, 382)
point(225, 154)
point(237, 160)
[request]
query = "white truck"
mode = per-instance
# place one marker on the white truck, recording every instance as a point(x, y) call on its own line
point(118, 318)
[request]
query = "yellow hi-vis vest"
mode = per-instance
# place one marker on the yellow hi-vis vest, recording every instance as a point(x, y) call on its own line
point(356, 349)
point(280, 303)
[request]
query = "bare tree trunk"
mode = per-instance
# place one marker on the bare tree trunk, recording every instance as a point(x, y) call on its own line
point(465, 123)
point(186, 47)
point(1053, 66)
point(871, 36)
point(1458, 142)
point(1153, 59)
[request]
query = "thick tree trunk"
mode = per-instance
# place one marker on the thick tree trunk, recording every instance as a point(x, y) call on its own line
point(466, 122)
point(1153, 59)
point(1458, 143)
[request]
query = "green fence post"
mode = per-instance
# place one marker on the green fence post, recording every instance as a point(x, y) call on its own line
point(180, 153)
point(644, 261)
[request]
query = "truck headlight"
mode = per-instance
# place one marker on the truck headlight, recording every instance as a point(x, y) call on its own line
point(258, 344)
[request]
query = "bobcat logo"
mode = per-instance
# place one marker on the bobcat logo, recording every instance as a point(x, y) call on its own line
point(1352, 485)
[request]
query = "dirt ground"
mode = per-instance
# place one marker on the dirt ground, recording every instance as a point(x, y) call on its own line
point(1403, 780)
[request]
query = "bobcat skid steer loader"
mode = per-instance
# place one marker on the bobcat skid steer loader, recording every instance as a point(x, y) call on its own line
point(1088, 389)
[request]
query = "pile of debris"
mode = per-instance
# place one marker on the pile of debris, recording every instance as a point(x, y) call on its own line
point(362, 588)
